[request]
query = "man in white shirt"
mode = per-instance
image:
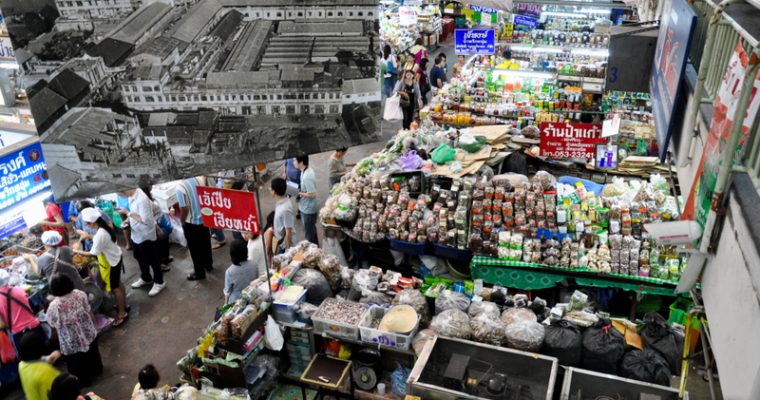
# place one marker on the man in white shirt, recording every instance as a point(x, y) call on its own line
point(143, 238)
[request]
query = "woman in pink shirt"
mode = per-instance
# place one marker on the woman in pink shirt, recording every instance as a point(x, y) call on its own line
point(22, 317)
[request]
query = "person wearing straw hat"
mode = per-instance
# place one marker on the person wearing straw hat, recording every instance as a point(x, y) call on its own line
point(58, 259)
point(110, 259)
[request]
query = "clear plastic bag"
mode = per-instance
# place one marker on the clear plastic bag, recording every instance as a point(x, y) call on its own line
point(316, 285)
point(525, 335)
point(374, 297)
point(486, 328)
point(452, 323)
point(484, 308)
point(421, 339)
point(514, 315)
point(451, 300)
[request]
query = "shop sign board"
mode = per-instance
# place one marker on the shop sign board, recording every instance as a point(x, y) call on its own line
point(570, 140)
point(22, 175)
point(699, 200)
point(475, 41)
point(676, 28)
point(6, 49)
point(524, 21)
point(407, 16)
point(229, 209)
point(482, 9)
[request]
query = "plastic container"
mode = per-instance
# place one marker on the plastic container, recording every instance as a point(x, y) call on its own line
point(417, 249)
point(384, 339)
point(451, 253)
point(285, 312)
point(335, 329)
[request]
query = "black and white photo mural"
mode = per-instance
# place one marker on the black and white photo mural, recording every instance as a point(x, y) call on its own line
point(131, 92)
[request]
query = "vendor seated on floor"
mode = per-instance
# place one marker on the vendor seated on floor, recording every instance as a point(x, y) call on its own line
point(147, 385)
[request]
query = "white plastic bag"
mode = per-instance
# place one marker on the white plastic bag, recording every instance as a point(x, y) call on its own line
point(332, 246)
point(178, 234)
point(274, 339)
point(393, 109)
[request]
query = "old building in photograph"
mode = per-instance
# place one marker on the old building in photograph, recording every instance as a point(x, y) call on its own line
point(174, 85)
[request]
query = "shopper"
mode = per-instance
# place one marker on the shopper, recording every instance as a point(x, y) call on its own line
point(54, 220)
point(123, 203)
point(437, 73)
point(421, 76)
point(83, 231)
point(198, 236)
point(336, 166)
point(459, 66)
point(66, 387)
point(164, 229)
point(308, 205)
point(69, 314)
point(143, 238)
point(391, 70)
point(293, 174)
point(259, 248)
point(35, 370)
point(22, 319)
point(240, 274)
point(418, 51)
point(147, 385)
point(57, 259)
point(410, 97)
point(444, 65)
point(108, 252)
point(284, 216)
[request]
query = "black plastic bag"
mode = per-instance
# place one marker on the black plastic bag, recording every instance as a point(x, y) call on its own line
point(658, 335)
point(316, 285)
point(603, 347)
point(564, 341)
point(646, 366)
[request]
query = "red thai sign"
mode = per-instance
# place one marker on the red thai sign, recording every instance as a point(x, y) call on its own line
point(229, 209)
point(570, 140)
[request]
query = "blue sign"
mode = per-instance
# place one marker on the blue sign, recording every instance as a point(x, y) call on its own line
point(673, 42)
point(22, 175)
point(528, 22)
point(13, 224)
point(482, 9)
point(475, 41)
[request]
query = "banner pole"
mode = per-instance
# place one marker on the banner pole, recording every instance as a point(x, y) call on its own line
point(261, 234)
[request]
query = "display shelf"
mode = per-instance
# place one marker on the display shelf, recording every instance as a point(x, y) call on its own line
point(408, 352)
point(530, 276)
point(541, 46)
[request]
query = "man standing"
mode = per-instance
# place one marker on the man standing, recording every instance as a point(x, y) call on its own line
point(198, 236)
point(284, 216)
point(143, 238)
point(308, 204)
point(293, 174)
point(437, 73)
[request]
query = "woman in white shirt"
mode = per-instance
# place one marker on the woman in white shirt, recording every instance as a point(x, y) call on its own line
point(104, 246)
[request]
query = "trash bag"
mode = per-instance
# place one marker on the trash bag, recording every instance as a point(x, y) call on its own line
point(603, 347)
point(451, 300)
point(484, 307)
point(443, 154)
point(452, 323)
point(398, 380)
point(525, 335)
point(564, 341)
point(658, 335)
point(646, 366)
point(316, 285)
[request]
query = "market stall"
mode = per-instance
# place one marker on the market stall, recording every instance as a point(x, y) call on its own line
point(401, 24)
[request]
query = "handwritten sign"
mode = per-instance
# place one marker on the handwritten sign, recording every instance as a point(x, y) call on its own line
point(229, 209)
point(407, 16)
point(528, 22)
point(22, 175)
point(475, 41)
point(570, 140)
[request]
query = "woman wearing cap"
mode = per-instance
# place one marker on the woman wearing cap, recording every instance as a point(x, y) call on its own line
point(109, 253)
point(58, 259)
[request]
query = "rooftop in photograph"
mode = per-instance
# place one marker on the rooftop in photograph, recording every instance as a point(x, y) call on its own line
point(249, 46)
point(113, 51)
point(139, 22)
point(161, 47)
point(195, 21)
point(45, 104)
point(68, 84)
point(291, 3)
point(355, 86)
point(80, 126)
point(227, 25)
point(294, 28)
point(241, 79)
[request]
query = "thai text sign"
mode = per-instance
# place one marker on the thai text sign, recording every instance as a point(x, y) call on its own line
point(528, 22)
point(407, 16)
point(676, 27)
point(570, 140)
point(229, 209)
point(22, 175)
point(475, 41)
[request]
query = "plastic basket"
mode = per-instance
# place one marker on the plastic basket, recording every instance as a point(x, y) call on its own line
point(417, 249)
point(332, 328)
point(451, 253)
point(286, 312)
point(384, 339)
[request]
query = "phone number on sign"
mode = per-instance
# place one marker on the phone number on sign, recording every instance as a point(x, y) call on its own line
point(567, 154)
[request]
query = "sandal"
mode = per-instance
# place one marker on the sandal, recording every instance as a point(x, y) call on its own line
point(119, 321)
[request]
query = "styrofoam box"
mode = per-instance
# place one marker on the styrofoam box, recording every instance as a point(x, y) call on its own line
point(381, 338)
point(335, 329)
